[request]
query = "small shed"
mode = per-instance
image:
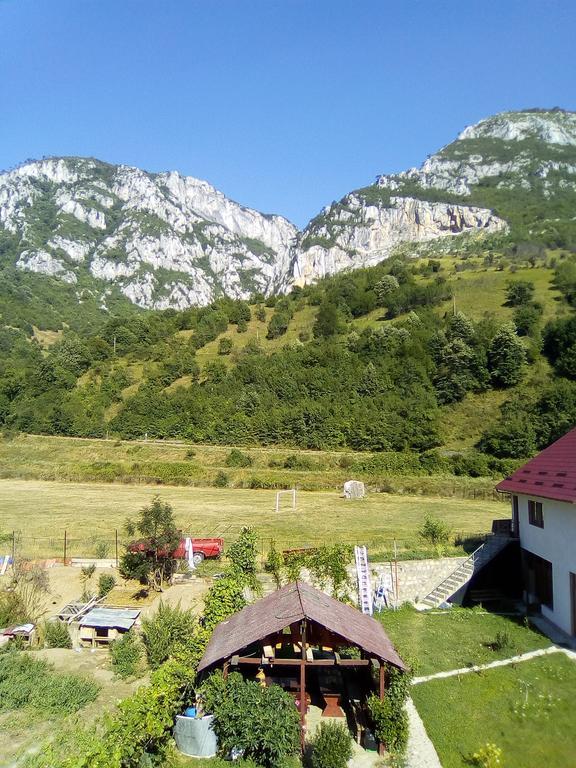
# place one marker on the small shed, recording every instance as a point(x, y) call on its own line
point(103, 625)
point(300, 638)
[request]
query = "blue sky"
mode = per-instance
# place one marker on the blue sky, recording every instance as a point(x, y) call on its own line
point(285, 105)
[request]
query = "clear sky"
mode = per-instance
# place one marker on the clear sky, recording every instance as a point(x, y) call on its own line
point(284, 105)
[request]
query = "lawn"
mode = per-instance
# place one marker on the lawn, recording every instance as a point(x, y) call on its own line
point(526, 709)
point(438, 641)
point(90, 512)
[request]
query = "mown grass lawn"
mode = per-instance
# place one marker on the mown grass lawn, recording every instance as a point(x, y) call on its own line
point(437, 641)
point(526, 709)
point(90, 512)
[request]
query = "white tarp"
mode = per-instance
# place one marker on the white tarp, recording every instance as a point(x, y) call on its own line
point(189, 549)
point(354, 489)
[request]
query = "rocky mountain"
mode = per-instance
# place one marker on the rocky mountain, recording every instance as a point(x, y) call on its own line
point(166, 240)
point(514, 169)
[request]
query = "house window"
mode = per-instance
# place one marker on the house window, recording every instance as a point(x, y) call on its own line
point(535, 516)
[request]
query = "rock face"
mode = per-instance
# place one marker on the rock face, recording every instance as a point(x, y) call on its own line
point(533, 152)
point(371, 232)
point(167, 240)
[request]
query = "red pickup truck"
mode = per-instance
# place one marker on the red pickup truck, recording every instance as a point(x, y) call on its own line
point(201, 548)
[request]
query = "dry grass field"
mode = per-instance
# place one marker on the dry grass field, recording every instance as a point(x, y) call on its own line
point(90, 512)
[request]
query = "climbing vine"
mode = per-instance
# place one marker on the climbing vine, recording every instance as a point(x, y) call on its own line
point(389, 715)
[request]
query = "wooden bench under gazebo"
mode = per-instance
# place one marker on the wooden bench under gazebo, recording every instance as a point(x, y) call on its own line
point(311, 645)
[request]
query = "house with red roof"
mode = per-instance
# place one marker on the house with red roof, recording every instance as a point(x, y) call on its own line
point(543, 494)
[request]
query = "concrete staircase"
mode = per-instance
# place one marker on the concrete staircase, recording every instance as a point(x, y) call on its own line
point(493, 545)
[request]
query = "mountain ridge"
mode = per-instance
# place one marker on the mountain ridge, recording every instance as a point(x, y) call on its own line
point(165, 240)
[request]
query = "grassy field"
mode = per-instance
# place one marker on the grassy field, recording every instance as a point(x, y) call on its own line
point(526, 709)
point(89, 513)
point(441, 640)
point(82, 460)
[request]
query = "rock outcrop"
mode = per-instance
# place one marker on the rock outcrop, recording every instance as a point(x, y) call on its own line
point(167, 240)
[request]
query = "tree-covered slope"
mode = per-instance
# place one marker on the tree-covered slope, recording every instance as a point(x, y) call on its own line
point(384, 358)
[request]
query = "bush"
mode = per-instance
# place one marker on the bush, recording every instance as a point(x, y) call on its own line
point(434, 531)
point(503, 640)
point(12, 609)
point(126, 654)
point(101, 549)
point(295, 461)
point(271, 732)
point(331, 746)
point(390, 717)
point(28, 682)
point(221, 480)
point(167, 632)
point(56, 635)
point(238, 459)
point(106, 583)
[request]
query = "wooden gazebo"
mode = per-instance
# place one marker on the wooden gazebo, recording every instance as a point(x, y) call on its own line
point(298, 632)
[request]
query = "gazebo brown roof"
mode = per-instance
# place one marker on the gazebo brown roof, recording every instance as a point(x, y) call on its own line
point(290, 604)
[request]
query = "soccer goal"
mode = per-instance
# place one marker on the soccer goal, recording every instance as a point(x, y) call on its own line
point(292, 494)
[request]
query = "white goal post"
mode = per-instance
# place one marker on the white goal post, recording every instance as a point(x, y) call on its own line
point(292, 492)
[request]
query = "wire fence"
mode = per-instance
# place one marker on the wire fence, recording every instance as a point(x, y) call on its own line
point(64, 547)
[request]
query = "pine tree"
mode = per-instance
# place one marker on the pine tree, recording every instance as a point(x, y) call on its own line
point(506, 357)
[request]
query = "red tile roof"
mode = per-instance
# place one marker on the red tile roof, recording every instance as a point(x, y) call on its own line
point(551, 474)
point(290, 604)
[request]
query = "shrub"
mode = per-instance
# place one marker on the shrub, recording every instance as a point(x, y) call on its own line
point(293, 461)
point(502, 641)
point(101, 549)
point(434, 531)
point(12, 609)
point(126, 654)
point(167, 632)
point(331, 746)
point(238, 459)
point(221, 480)
point(190, 453)
point(106, 583)
point(274, 564)
point(230, 700)
point(56, 635)
point(28, 682)
point(389, 715)
point(225, 346)
point(242, 556)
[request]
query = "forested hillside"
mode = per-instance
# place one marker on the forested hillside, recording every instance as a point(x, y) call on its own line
point(467, 345)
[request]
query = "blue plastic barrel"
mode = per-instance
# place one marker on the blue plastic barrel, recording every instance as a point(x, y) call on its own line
point(190, 712)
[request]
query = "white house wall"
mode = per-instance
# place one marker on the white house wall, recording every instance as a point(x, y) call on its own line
point(555, 542)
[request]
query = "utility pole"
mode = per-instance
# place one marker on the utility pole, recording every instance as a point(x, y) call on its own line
point(114, 345)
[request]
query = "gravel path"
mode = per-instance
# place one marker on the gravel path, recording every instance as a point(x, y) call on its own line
point(420, 752)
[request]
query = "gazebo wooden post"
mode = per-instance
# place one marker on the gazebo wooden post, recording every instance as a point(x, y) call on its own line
point(381, 694)
point(226, 668)
point(303, 683)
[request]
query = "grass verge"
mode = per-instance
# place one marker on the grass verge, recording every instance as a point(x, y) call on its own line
point(526, 709)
